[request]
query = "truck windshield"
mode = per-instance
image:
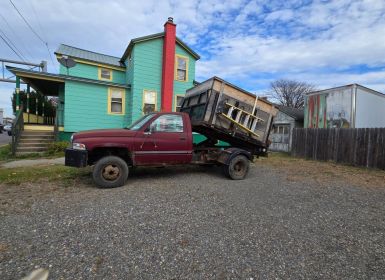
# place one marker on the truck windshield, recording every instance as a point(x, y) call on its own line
point(139, 123)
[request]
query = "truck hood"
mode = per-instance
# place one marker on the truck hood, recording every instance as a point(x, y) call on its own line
point(97, 133)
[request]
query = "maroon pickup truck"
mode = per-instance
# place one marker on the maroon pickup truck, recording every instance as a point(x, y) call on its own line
point(158, 139)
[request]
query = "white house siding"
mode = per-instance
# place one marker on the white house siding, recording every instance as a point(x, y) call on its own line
point(281, 141)
point(370, 109)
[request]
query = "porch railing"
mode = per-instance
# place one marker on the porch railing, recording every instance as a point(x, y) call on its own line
point(37, 119)
point(56, 127)
point(17, 128)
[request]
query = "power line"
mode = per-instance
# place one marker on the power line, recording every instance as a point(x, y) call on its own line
point(37, 18)
point(33, 30)
point(10, 41)
point(30, 27)
point(11, 47)
point(16, 36)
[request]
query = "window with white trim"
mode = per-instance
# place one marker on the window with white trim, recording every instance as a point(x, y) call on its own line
point(116, 99)
point(181, 68)
point(105, 74)
point(149, 101)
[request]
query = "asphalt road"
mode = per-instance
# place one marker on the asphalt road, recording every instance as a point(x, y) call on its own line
point(4, 138)
point(192, 223)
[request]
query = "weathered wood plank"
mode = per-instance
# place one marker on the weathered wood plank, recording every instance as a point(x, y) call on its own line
point(361, 147)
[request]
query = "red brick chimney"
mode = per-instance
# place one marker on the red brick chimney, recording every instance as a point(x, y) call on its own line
point(167, 87)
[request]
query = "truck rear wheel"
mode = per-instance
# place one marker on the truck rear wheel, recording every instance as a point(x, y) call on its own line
point(237, 168)
point(110, 172)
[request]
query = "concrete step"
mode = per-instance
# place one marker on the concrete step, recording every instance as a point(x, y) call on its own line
point(23, 136)
point(37, 133)
point(34, 144)
point(27, 153)
point(30, 149)
point(35, 140)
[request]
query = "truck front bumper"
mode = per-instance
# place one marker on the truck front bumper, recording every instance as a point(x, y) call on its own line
point(76, 158)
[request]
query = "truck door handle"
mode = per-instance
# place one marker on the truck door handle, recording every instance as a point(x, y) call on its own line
point(182, 138)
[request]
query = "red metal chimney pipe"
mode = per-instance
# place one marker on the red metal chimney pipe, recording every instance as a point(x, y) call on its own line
point(167, 87)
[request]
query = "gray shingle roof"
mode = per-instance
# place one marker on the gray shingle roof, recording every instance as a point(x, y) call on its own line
point(297, 114)
point(88, 55)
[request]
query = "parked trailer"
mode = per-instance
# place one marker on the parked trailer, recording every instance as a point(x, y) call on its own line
point(222, 111)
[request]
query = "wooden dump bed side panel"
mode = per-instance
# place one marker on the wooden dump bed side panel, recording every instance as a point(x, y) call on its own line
point(225, 112)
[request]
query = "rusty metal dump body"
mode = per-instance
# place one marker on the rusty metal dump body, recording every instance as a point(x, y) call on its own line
point(222, 111)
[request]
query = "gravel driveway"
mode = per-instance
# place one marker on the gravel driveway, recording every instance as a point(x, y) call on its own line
point(192, 223)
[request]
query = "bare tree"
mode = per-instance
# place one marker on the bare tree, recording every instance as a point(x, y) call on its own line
point(290, 93)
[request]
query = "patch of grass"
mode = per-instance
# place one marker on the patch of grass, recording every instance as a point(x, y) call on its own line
point(51, 173)
point(53, 152)
point(5, 152)
point(299, 169)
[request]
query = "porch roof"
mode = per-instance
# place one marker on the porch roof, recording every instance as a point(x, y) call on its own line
point(49, 83)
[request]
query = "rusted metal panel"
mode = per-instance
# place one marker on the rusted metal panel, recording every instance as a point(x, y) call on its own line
point(330, 109)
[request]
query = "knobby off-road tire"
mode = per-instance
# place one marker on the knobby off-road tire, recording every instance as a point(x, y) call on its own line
point(237, 168)
point(110, 172)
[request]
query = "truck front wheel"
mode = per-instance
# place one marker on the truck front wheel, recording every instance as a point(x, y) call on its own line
point(237, 168)
point(110, 172)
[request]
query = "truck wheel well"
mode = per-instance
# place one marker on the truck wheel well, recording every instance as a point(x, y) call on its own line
point(99, 153)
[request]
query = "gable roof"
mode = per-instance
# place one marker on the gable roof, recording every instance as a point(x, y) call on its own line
point(156, 36)
point(297, 114)
point(89, 55)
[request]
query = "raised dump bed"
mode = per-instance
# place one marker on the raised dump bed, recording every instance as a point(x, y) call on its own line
point(222, 111)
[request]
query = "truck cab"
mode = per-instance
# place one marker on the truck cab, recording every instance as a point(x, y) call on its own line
point(154, 139)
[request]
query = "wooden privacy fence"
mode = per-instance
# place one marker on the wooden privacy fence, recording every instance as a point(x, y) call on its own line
point(354, 146)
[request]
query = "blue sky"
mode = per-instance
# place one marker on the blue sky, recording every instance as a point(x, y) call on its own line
point(250, 43)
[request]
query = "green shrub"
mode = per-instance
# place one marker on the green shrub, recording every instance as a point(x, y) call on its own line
point(57, 147)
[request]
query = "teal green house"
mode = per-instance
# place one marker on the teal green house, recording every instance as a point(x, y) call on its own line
point(103, 91)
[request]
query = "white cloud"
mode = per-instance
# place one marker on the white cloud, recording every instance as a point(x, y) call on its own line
point(251, 42)
point(282, 15)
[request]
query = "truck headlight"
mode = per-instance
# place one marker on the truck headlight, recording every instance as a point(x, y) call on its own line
point(78, 146)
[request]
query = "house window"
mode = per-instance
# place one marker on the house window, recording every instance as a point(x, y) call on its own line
point(181, 68)
point(281, 129)
point(116, 101)
point(168, 123)
point(105, 74)
point(178, 102)
point(149, 101)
